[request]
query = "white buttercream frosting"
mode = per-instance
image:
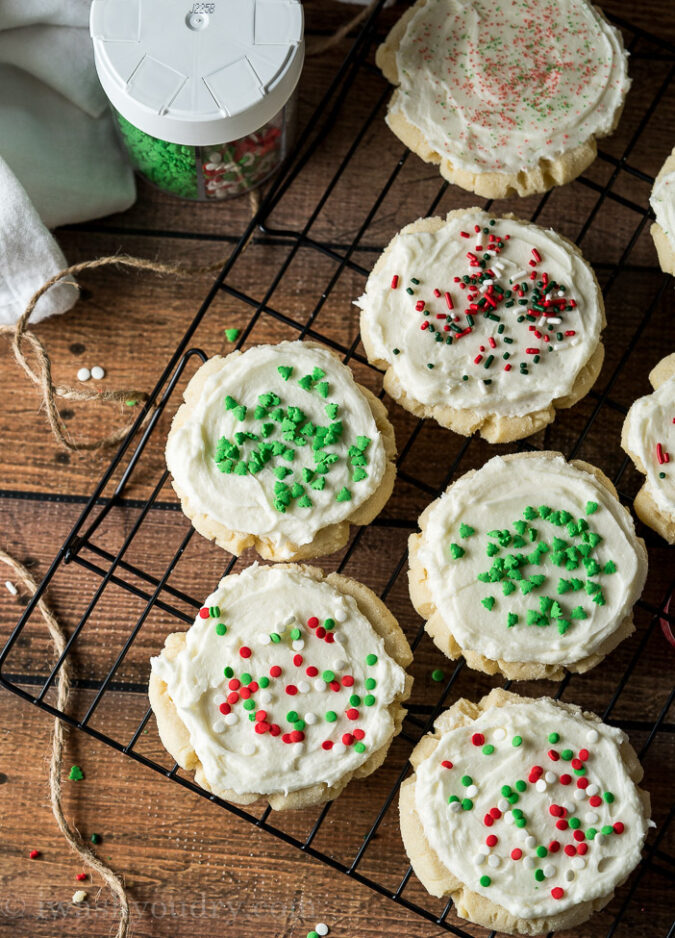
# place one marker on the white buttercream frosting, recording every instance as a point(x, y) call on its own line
point(527, 364)
point(281, 501)
point(499, 87)
point(651, 438)
point(284, 618)
point(662, 200)
point(514, 585)
point(512, 774)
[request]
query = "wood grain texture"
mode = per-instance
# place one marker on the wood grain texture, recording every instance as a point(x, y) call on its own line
point(190, 866)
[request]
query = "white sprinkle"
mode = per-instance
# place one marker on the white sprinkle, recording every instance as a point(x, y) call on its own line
point(499, 733)
point(219, 725)
point(528, 863)
point(310, 720)
point(541, 785)
point(549, 870)
point(554, 320)
point(592, 790)
point(592, 736)
point(494, 861)
point(578, 863)
point(340, 614)
point(591, 817)
point(579, 794)
point(9, 586)
point(298, 644)
point(530, 841)
point(231, 719)
point(472, 791)
point(551, 777)
point(83, 374)
point(561, 292)
point(455, 806)
point(518, 276)
point(600, 839)
point(248, 749)
point(319, 684)
point(570, 875)
point(303, 687)
point(339, 664)
point(264, 639)
point(542, 321)
point(484, 849)
point(214, 157)
point(479, 859)
point(321, 928)
point(503, 805)
point(509, 818)
point(339, 748)
point(569, 807)
point(79, 897)
point(97, 373)
point(265, 696)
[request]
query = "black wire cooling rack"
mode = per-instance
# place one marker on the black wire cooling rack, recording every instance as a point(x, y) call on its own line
point(111, 568)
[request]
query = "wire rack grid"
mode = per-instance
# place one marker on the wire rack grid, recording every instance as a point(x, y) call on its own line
point(112, 568)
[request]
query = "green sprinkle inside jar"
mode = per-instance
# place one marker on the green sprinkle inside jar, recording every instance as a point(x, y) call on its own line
point(203, 95)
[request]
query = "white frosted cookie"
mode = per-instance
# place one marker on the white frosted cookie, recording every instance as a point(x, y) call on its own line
point(662, 200)
point(525, 812)
point(648, 437)
point(279, 449)
point(288, 684)
point(483, 323)
point(506, 99)
point(527, 566)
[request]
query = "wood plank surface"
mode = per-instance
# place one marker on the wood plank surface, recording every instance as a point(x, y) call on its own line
point(189, 865)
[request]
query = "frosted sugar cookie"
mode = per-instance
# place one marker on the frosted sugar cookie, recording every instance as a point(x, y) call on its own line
point(483, 323)
point(649, 439)
point(279, 449)
point(662, 200)
point(288, 684)
point(525, 812)
point(507, 98)
point(527, 566)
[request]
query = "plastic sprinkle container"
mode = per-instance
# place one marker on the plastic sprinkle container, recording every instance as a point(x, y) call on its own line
point(202, 93)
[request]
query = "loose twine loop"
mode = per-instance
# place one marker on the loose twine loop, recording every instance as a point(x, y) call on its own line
point(71, 834)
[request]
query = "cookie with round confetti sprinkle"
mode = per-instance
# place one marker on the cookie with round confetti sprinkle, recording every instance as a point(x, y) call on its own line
point(526, 813)
point(492, 92)
point(648, 437)
point(662, 201)
point(279, 449)
point(528, 566)
point(289, 684)
point(484, 324)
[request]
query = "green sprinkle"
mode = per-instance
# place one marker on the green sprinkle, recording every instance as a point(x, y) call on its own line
point(607, 829)
point(221, 629)
point(575, 823)
point(371, 659)
point(76, 774)
point(566, 754)
point(466, 530)
point(553, 737)
point(506, 790)
point(328, 676)
point(610, 567)
point(466, 780)
point(322, 388)
point(520, 785)
point(275, 637)
point(369, 700)
point(456, 551)
point(438, 675)
point(467, 804)
point(590, 833)
point(232, 334)
point(488, 749)
point(331, 716)
point(344, 495)
point(591, 508)
point(608, 797)
point(285, 371)
point(517, 741)
point(485, 881)
point(359, 747)
point(370, 683)
point(541, 852)
point(488, 602)
point(511, 620)
point(539, 875)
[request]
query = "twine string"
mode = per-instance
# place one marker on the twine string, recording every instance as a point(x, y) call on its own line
point(70, 834)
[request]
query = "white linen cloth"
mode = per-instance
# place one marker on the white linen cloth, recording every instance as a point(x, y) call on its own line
point(60, 161)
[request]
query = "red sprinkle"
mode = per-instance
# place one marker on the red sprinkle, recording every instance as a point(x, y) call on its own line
point(557, 892)
point(556, 810)
point(359, 734)
point(204, 612)
point(327, 744)
point(536, 255)
point(618, 827)
point(488, 820)
point(394, 284)
point(582, 783)
point(465, 234)
point(347, 739)
point(233, 697)
point(554, 846)
point(595, 801)
point(297, 736)
point(261, 716)
point(536, 773)
point(577, 764)
point(234, 684)
point(291, 689)
point(34, 854)
point(275, 670)
point(244, 692)
point(583, 754)
point(245, 651)
point(491, 840)
point(565, 779)
point(582, 849)
point(562, 824)
point(570, 850)
point(297, 660)
point(448, 300)
point(496, 813)
point(516, 853)
point(320, 632)
point(275, 729)
point(330, 637)
point(312, 622)
point(578, 835)
point(262, 727)
point(347, 680)
point(81, 877)
point(532, 351)
point(437, 292)
point(311, 671)
point(419, 305)
point(552, 754)
point(352, 713)
point(478, 739)
point(225, 708)
point(446, 764)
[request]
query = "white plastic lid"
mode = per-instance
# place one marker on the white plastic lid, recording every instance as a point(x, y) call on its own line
point(198, 73)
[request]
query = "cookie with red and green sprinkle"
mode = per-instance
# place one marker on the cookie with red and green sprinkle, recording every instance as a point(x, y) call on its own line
point(483, 323)
point(507, 98)
point(648, 436)
point(289, 684)
point(279, 449)
point(525, 812)
point(529, 566)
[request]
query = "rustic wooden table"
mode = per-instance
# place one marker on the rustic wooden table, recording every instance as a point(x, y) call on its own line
point(189, 865)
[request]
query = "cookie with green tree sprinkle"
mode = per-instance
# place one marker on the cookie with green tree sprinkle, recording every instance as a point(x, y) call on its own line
point(528, 566)
point(288, 683)
point(526, 813)
point(485, 324)
point(278, 448)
